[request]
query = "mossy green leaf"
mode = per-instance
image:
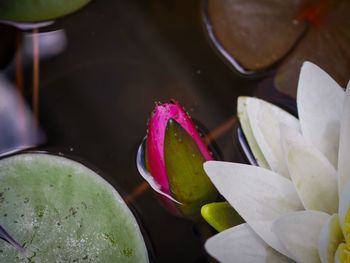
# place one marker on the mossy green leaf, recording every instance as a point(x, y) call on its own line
point(38, 10)
point(61, 211)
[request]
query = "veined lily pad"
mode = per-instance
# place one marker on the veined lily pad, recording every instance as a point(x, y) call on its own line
point(38, 10)
point(61, 211)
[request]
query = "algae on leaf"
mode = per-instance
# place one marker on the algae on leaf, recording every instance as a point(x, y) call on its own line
point(60, 211)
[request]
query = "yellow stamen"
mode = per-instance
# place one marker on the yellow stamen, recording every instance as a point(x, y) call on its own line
point(343, 250)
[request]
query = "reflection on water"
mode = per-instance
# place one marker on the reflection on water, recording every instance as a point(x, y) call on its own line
point(26, 26)
point(51, 44)
point(141, 167)
point(217, 45)
point(18, 128)
point(5, 236)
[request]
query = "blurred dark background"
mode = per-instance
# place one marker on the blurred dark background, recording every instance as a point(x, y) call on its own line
point(97, 94)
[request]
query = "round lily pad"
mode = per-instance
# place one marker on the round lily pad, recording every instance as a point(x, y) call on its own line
point(61, 211)
point(39, 10)
point(255, 33)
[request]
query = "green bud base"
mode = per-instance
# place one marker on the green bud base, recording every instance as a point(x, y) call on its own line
point(221, 216)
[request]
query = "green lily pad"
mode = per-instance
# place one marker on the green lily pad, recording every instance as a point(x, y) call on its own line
point(38, 10)
point(221, 216)
point(61, 211)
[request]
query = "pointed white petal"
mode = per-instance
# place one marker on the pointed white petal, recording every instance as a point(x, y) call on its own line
point(248, 133)
point(299, 233)
point(314, 177)
point(320, 101)
point(330, 238)
point(258, 195)
point(241, 244)
point(344, 143)
point(265, 119)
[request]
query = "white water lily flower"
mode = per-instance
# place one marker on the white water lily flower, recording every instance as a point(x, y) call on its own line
point(331, 242)
point(298, 175)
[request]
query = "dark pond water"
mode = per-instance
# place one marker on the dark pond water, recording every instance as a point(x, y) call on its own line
point(97, 92)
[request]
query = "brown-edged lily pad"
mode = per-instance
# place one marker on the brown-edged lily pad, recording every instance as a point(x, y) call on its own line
point(326, 43)
point(257, 34)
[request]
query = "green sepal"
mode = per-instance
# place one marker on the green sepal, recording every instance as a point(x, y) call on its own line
point(188, 181)
point(221, 216)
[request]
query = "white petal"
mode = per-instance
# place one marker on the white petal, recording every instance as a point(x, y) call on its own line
point(330, 237)
point(344, 205)
point(320, 100)
point(314, 177)
point(299, 232)
point(344, 143)
point(259, 195)
point(248, 133)
point(241, 244)
point(265, 119)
